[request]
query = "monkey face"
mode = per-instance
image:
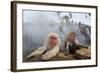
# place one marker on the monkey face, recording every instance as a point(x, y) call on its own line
point(53, 41)
point(71, 37)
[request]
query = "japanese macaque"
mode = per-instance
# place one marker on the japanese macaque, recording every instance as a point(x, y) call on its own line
point(50, 48)
point(70, 44)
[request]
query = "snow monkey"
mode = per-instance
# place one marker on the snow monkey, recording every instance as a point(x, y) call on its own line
point(50, 48)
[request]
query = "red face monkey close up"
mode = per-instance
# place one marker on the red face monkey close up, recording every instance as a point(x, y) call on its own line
point(52, 41)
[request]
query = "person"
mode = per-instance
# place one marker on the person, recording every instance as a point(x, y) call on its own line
point(50, 48)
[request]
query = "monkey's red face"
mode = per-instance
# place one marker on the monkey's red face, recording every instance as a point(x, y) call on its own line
point(53, 41)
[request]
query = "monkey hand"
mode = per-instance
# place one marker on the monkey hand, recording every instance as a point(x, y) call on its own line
point(29, 57)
